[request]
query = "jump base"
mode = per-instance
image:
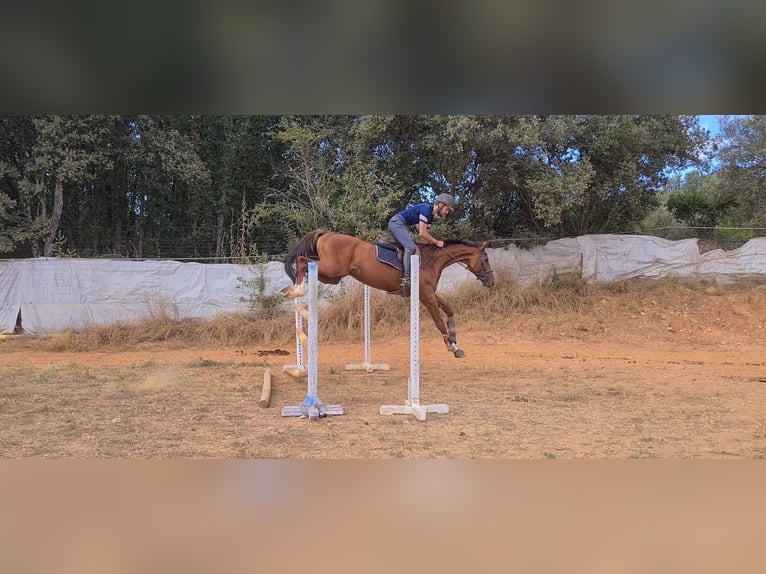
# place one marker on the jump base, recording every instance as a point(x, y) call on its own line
point(313, 408)
point(420, 411)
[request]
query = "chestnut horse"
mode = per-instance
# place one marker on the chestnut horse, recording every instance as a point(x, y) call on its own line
point(340, 255)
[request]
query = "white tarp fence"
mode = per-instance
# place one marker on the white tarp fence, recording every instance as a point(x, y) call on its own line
point(59, 294)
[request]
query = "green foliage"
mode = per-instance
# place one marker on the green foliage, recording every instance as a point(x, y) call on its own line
point(10, 231)
point(697, 209)
point(218, 186)
point(60, 248)
point(263, 306)
point(742, 154)
point(68, 149)
point(629, 156)
point(659, 217)
point(327, 184)
point(732, 236)
point(700, 201)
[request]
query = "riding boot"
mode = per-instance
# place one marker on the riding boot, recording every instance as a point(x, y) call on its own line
point(406, 262)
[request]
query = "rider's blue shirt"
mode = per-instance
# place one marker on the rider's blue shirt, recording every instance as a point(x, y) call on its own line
point(416, 213)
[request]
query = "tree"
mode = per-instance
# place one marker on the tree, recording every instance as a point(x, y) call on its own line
point(630, 158)
point(167, 173)
point(532, 176)
point(327, 183)
point(698, 202)
point(516, 175)
point(212, 186)
point(505, 171)
point(108, 184)
point(68, 150)
point(742, 156)
point(17, 135)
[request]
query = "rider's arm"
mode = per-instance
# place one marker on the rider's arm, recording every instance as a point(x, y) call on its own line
point(423, 232)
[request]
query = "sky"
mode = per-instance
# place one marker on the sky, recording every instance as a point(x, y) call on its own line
point(710, 123)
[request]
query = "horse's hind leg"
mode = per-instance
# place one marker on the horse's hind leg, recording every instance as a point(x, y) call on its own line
point(450, 339)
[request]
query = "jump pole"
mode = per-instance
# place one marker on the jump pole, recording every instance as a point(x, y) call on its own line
point(367, 365)
point(265, 390)
point(412, 405)
point(312, 406)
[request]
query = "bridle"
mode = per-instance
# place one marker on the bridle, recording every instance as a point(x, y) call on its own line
point(482, 275)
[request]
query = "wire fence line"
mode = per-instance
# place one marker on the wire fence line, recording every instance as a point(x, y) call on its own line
point(263, 249)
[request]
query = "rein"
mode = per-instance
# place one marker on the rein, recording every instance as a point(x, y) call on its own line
point(481, 275)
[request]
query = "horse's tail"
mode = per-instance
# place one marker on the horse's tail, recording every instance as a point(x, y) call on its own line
point(306, 247)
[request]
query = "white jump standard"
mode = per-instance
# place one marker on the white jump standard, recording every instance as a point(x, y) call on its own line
point(412, 406)
point(367, 365)
point(312, 406)
point(298, 370)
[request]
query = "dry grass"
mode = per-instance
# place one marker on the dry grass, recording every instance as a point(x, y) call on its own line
point(226, 330)
point(341, 319)
point(560, 293)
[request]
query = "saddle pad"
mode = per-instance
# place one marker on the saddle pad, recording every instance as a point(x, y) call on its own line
point(388, 256)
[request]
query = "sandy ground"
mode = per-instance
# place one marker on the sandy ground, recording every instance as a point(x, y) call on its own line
point(632, 378)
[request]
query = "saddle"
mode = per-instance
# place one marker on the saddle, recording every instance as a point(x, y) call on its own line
point(389, 252)
point(386, 243)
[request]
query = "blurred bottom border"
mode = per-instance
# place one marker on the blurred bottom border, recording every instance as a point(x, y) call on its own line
point(375, 516)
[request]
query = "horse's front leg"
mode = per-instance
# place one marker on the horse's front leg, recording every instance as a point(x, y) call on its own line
point(433, 306)
point(297, 290)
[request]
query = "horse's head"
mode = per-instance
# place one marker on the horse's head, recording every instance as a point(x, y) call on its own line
point(479, 265)
point(473, 256)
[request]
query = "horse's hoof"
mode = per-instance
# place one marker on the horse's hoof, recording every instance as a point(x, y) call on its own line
point(291, 292)
point(459, 353)
point(287, 293)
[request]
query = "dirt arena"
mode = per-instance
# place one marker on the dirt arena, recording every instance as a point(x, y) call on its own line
point(640, 374)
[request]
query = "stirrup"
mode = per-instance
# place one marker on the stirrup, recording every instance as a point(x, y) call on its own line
point(405, 282)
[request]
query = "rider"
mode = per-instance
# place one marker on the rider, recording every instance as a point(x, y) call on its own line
point(421, 215)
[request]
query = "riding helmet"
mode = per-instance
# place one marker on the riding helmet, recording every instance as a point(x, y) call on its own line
point(446, 199)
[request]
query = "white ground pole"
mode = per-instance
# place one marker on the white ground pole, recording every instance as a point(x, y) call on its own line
point(368, 364)
point(412, 405)
point(312, 406)
point(300, 337)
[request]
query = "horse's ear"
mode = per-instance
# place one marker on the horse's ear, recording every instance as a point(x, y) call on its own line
point(484, 244)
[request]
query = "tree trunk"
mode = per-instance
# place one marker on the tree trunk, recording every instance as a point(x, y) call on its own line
point(58, 208)
point(34, 242)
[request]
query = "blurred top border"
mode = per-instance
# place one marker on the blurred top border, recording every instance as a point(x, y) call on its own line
point(345, 57)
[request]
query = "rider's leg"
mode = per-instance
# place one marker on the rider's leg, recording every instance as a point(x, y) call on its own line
point(407, 262)
point(398, 229)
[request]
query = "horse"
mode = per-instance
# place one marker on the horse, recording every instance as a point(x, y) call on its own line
point(340, 255)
